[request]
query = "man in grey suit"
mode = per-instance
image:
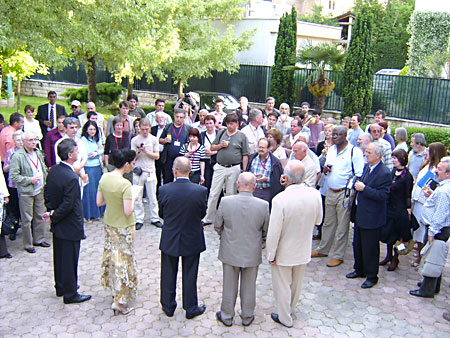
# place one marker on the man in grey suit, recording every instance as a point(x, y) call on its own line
point(241, 222)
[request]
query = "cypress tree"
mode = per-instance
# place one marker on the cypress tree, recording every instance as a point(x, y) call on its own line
point(283, 83)
point(359, 65)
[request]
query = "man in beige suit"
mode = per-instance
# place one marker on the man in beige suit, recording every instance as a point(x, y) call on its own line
point(300, 152)
point(295, 212)
point(241, 222)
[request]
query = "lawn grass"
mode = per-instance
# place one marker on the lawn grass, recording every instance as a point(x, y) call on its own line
point(37, 101)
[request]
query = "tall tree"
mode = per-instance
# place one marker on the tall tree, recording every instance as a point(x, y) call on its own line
point(390, 35)
point(358, 70)
point(283, 83)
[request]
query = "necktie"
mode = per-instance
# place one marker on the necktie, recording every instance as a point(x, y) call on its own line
point(52, 119)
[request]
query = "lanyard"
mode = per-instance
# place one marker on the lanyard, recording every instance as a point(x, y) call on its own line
point(117, 143)
point(193, 155)
point(293, 144)
point(265, 162)
point(179, 132)
point(37, 161)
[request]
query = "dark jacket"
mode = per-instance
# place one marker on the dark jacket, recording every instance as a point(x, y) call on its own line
point(182, 205)
point(164, 154)
point(275, 172)
point(371, 211)
point(62, 194)
point(42, 115)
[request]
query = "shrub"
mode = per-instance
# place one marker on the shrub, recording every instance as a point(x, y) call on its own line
point(108, 93)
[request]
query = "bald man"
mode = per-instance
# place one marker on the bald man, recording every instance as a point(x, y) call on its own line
point(241, 222)
point(300, 152)
point(289, 241)
point(182, 205)
point(90, 107)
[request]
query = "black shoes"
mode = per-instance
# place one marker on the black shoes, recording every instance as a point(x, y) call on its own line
point(368, 284)
point(12, 237)
point(157, 224)
point(8, 255)
point(77, 299)
point(354, 274)
point(227, 323)
point(275, 318)
point(197, 312)
point(168, 313)
point(206, 223)
point(30, 250)
point(139, 226)
point(43, 244)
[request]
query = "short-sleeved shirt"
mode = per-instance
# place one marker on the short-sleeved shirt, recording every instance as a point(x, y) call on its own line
point(237, 148)
point(115, 189)
point(197, 156)
point(151, 143)
point(342, 165)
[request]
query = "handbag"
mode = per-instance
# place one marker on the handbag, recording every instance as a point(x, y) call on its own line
point(9, 224)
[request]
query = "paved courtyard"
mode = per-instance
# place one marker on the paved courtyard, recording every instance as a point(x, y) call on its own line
point(330, 305)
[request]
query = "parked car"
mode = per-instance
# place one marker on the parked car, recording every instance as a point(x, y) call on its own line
point(384, 82)
point(207, 100)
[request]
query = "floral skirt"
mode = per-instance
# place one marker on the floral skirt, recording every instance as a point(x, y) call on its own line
point(119, 266)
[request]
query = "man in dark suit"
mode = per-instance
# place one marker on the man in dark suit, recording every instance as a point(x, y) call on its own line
point(47, 114)
point(65, 212)
point(370, 215)
point(157, 131)
point(182, 205)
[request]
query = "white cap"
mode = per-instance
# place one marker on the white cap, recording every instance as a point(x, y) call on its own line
point(76, 103)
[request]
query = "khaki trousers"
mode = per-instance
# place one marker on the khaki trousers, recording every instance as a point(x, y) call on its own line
point(222, 177)
point(287, 285)
point(335, 227)
point(231, 275)
point(31, 209)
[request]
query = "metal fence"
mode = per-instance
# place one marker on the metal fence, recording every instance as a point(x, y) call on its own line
point(400, 96)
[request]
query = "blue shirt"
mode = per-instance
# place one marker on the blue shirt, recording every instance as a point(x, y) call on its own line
point(92, 146)
point(353, 135)
point(436, 211)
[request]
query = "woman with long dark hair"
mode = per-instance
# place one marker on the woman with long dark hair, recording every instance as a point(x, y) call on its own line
point(92, 142)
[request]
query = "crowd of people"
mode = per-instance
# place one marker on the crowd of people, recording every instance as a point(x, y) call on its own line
point(263, 177)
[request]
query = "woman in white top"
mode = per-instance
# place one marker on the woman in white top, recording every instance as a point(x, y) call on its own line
point(30, 123)
point(274, 137)
point(419, 195)
point(401, 136)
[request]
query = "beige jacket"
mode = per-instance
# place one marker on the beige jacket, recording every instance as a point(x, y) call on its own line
point(295, 211)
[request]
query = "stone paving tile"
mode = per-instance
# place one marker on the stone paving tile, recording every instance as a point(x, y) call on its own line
point(330, 305)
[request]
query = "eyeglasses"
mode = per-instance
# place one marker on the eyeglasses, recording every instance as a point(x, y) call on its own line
point(32, 140)
point(376, 131)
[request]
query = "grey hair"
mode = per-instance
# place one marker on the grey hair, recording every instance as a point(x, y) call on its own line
point(285, 104)
point(160, 114)
point(17, 134)
point(294, 171)
point(401, 134)
point(247, 179)
point(253, 114)
point(206, 110)
point(179, 111)
point(332, 120)
point(379, 149)
point(419, 138)
point(367, 136)
point(446, 159)
point(305, 136)
point(26, 134)
point(71, 120)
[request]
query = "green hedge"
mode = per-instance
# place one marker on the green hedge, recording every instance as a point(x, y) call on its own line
point(108, 93)
point(431, 135)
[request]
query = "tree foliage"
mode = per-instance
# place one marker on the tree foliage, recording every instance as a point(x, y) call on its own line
point(202, 48)
point(429, 33)
point(283, 82)
point(390, 35)
point(321, 57)
point(358, 71)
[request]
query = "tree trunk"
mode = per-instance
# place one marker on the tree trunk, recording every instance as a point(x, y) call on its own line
point(91, 69)
point(180, 88)
point(130, 86)
point(19, 82)
point(319, 102)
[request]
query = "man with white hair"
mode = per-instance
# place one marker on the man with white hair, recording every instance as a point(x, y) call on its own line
point(29, 172)
point(253, 130)
point(200, 124)
point(289, 241)
point(300, 152)
point(363, 141)
point(284, 121)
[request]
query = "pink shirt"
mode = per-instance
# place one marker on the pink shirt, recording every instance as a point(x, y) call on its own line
point(6, 141)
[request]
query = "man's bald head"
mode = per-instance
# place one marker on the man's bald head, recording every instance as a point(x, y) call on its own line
point(90, 107)
point(181, 167)
point(294, 172)
point(300, 150)
point(246, 182)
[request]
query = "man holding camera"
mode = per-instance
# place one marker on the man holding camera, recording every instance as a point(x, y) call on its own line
point(144, 174)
